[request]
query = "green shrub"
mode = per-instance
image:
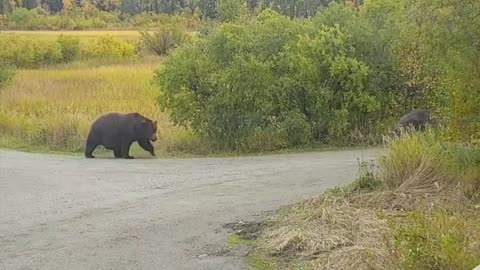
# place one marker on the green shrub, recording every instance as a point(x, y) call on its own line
point(305, 80)
point(70, 47)
point(266, 139)
point(297, 129)
point(207, 27)
point(231, 10)
point(23, 17)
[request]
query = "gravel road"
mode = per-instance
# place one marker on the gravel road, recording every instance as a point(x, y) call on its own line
point(65, 212)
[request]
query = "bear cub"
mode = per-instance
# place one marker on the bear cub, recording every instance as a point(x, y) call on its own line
point(117, 132)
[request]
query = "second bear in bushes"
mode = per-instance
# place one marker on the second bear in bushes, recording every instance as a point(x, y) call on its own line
point(117, 132)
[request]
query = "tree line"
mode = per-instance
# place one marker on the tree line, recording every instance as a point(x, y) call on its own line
point(205, 8)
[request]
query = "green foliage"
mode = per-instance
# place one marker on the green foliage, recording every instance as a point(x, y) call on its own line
point(295, 8)
point(437, 240)
point(423, 160)
point(24, 17)
point(163, 40)
point(297, 130)
point(89, 17)
point(23, 52)
point(235, 239)
point(466, 164)
point(38, 19)
point(26, 53)
point(70, 47)
point(303, 81)
point(433, 47)
point(231, 10)
point(415, 157)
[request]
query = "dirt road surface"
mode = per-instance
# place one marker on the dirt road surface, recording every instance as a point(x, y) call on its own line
point(65, 212)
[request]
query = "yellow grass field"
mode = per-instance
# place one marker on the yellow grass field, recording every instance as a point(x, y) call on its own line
point(52, 109)
point(85, 37)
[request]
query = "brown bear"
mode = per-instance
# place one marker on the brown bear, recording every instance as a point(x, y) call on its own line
point(418, 119)
point(117, 132)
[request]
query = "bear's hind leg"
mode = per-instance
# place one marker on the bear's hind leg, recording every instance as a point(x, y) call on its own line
point(91, 145)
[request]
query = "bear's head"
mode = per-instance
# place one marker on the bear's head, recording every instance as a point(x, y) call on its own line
point(148, 129)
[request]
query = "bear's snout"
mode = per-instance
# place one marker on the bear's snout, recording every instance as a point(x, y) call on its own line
point(154, 137)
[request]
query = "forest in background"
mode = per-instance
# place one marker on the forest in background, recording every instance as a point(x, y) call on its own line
point(99, 14)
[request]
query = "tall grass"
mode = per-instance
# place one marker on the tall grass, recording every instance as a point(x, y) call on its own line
point(414, 161)
point(54, 108)
point(417, 210)
point(425, 161)
point(437, 240)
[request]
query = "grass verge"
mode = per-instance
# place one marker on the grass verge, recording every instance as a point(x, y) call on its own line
point(418, 209)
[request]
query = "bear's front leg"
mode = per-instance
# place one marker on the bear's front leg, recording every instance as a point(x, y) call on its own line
point(126, 150)
point(117, 152)
point(147, 146)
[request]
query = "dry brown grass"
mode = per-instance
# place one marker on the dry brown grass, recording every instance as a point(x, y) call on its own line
point(420, 217)
point(353, 230)
point(328, 232)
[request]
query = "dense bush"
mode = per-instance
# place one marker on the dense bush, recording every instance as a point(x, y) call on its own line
point(305, 82)
point(346, 75)
point(231, 10)
point(70, 47)
point(433, 46)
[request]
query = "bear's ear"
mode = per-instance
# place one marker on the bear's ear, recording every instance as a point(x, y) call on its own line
point(155, 122)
